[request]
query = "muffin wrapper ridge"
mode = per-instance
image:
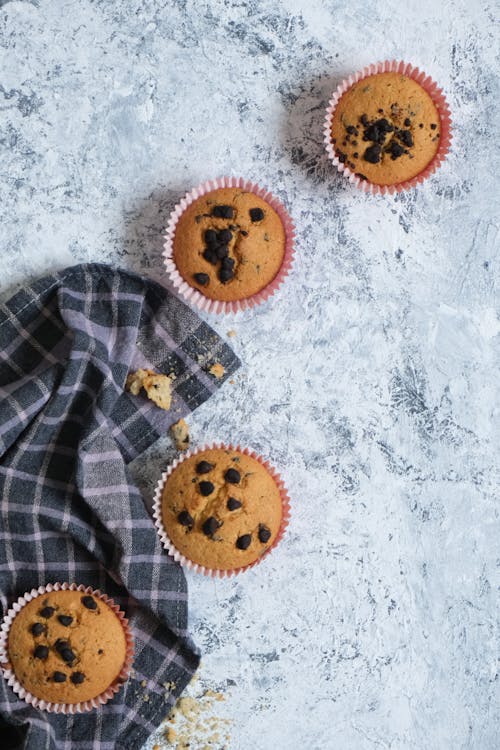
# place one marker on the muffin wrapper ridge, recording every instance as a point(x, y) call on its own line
point(185, 561)
point(63, 708)
point(392, 66)
point(192, 295)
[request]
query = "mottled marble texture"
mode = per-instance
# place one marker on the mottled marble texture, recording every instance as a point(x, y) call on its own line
point(370, 380)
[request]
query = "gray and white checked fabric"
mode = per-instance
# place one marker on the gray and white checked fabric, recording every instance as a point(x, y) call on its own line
point(69, 511)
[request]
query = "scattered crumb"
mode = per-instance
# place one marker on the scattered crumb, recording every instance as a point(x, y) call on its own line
point(144, 683)
point(232, 381)
point(158, 387)
point(146, 698)
point(180, 434)
point(170, 735)
point(217, 370)
point(156, 747)
point(196, 726)
point(231, 333)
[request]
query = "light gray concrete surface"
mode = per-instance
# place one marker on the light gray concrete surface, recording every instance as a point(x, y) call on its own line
point(370, 380)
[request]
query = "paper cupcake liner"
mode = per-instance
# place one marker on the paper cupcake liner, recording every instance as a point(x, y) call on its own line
point(392, 66)
point(185, 561)
point(63, 708)
point(191, 294)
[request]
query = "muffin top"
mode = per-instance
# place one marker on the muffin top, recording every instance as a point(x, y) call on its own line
point(229, 244)
point(386, 128)
point(66, 646)
point(221, 508)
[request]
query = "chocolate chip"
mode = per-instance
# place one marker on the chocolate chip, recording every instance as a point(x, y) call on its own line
point(380, 111)
point(351, 130)
point(233, 504)
point(224, 236)
point(355, 155)
point(77, 678)
point(67, 655)
point(364, 120)
point(244, 542)
point(372, 154)
point(47, 612)
point(341, 156)
point(407, 122)
point(395, 150)
point(210, 526)
point(211, 237)
point(65, 620)
point(421, 125)
point(37, 628)
point(361, 176)
point(89, 602)
point(232, 476)
point(210, 255)
point(405, 137)
point(223, 212)
point(433, 126)
point(185, 519)
point(225, 275)
point(222, 251)
point(201, 278)
point(264, 534)
point(376, 132)
point(41, 652)
point(60, 644)
point(206, 488)
point(203, 467)
point(256, 214)
point(244, 233)
point(59, 677)
point(101, 651)
point(228, 263)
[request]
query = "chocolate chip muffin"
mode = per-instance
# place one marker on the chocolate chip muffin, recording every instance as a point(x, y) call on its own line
point(386, 128)
point(66, 646)
point(221, 509)
point(229, 244)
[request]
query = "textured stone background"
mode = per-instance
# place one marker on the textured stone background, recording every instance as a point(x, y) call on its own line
point(370, 380)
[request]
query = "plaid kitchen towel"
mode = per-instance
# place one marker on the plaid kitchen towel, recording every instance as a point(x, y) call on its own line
point(69, 510)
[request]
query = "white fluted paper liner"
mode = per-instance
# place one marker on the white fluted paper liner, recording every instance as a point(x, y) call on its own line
point(392, 66)
point(192, 295)
point(185, 561)
point(63, 708)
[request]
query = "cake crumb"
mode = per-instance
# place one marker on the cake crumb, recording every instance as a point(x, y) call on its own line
point(231, 333)
point(180, 434)
point(217, 370)
point(170, 735)
point(144, 683)
point(158, 387)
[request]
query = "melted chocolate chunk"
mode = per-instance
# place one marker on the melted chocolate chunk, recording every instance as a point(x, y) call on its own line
point(264, 534)
point(77, 678)
point(377, 131)
point(222, 251)
point(405, 137)
point(47, 612)
point(89, 602)
point(225, 275)
point(210, 255)
point(210, 526)
point(203, 467)
point(233, 504)
point(256, 214)
point(37, 628)
point(65, 620)
point(372, 153)
point(185, 519)
point(211, 237)
point(206, 488)
point(395, 150)
point(224, 236)
point(407, 122)
point(244, 541)
point(59, 677)
point(223, 212)
point(232, 476)
point(201, 278)
point(41, 652)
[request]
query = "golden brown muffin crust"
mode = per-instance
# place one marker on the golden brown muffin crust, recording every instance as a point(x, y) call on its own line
point(386, 128)
point(255, 248)
point(40, 646)
point(237, 519)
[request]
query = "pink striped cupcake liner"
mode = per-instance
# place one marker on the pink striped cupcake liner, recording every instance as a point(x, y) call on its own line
point(392, 66)
point(63, 708)
point(185, 561)
point(192, 295)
